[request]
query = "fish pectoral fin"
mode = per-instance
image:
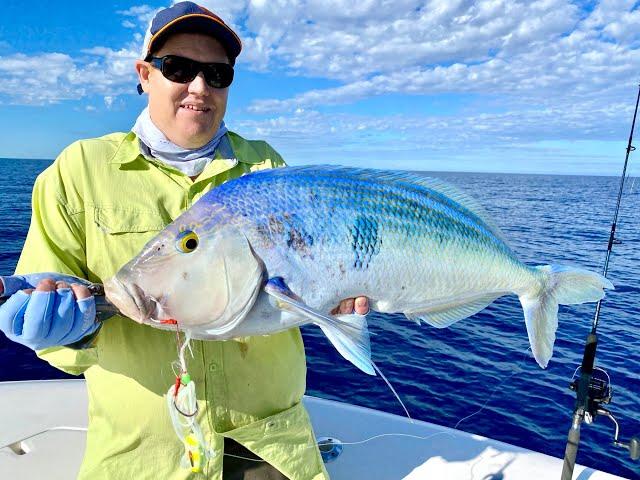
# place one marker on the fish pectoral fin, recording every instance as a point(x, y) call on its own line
point(349, 334)
point(281, 295)
point(445, 314)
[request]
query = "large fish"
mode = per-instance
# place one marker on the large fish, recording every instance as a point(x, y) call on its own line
point(280, 248)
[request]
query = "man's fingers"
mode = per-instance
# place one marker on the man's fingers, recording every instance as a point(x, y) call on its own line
point(361, 305)
point(80, 291)
point(346, 306)
point(46, 285)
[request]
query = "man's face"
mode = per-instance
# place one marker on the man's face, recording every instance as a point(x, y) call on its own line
point(189, 114)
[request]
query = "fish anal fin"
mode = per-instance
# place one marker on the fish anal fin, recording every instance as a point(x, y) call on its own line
point(446, 313)
point(349, 334)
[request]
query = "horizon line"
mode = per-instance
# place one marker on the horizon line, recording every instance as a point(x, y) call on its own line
point(492, 172)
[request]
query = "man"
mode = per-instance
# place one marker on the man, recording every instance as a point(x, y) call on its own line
point(93, 210)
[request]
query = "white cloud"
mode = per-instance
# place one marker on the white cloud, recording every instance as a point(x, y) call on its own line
point(25, 82)
point(530, 48)
point(625, 27)
point(441, 132)
point(544, 67)
point(99, 71)
point(520, 140)
point(348, 40)
point(550, 69)
point(142, 13)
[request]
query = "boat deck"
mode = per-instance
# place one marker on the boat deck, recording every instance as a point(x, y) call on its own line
point(28, 408)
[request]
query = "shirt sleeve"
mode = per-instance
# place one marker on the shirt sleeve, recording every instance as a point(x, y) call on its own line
point(56, 243)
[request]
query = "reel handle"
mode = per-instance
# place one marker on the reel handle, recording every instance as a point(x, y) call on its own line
point(634, 448)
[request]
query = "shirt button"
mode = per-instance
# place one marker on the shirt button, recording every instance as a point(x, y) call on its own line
point(213, 367)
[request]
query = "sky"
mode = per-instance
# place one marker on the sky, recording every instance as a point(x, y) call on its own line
point(484, 86)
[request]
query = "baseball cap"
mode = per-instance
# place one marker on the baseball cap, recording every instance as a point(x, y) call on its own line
point(188, 17)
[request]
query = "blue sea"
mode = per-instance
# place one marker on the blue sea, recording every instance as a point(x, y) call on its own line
point(481, 364)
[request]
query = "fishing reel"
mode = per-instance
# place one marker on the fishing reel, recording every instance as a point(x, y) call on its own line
point(601, 393)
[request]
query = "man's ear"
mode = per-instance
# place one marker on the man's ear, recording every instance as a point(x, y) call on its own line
point(143, 71)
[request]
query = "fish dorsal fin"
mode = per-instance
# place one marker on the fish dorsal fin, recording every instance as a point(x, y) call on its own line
point(407, 178)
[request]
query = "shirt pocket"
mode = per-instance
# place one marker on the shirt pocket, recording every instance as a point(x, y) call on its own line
point(118, 220)
point(117, 234)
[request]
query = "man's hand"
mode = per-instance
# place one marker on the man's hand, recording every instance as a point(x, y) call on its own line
point(359, 305)
point(52, 314)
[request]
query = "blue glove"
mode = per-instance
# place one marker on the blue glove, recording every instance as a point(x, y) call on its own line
point(13, 283)
point(47, 319)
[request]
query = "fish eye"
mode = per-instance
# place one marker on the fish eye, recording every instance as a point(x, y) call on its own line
point(187, 241)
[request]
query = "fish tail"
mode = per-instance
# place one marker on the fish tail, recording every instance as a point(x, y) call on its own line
point(560, 285)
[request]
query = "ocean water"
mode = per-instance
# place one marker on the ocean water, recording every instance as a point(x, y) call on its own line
point(480, 366)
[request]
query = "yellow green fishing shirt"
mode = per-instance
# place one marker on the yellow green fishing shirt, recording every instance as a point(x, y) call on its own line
point(94, 208)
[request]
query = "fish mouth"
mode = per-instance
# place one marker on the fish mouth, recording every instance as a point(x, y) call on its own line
point(132, 301)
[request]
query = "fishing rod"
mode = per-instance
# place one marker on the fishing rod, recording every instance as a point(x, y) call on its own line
point(592, 384)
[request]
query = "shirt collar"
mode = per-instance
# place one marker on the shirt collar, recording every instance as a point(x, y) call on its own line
point(127, 151)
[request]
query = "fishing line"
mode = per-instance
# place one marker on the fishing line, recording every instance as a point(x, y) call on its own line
point(632, 185)
point(194, 442)
point(408, 435)
point(197, 449)
point(182, 405)
point(518, 369)
point(257, 460)
point(359, 442)
point(392, 389)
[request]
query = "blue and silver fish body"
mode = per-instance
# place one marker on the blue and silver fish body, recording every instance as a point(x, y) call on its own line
point(300, 239)
point(332, 232)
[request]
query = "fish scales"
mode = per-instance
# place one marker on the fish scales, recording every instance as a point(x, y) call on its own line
point(310, 212)
point(407, 212)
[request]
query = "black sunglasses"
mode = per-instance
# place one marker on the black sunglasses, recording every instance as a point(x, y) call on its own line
point(183, 70)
